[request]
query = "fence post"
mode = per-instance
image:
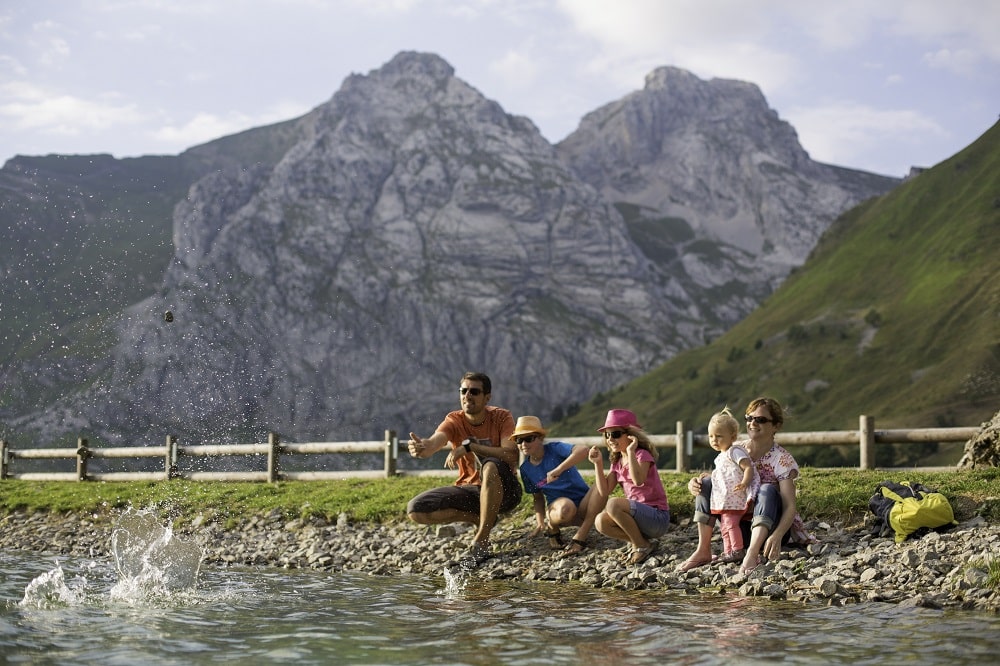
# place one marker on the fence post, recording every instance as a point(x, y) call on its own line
point(682, 457)
point(391, 453)
point(866, 434)
point(170, 459)
point(273, 440)
point(82, 453)
point(3, 459)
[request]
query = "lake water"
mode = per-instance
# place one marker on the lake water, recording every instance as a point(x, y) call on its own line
point(153, 604)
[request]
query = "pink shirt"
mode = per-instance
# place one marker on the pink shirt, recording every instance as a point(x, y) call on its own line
point(651, 492)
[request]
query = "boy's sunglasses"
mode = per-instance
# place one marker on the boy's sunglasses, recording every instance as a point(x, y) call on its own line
point(527, 439)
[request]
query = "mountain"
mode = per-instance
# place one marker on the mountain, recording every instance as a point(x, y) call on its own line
point(895, 314)
point(708, 165)
point(333, 276)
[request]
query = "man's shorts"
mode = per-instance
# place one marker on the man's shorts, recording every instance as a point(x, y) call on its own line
point(466, 498)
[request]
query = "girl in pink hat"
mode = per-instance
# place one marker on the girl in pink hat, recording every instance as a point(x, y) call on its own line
point(643, 514)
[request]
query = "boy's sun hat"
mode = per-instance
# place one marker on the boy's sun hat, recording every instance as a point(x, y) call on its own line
point(526, 425)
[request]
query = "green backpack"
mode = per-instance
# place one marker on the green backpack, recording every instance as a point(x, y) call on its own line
point(909, 510)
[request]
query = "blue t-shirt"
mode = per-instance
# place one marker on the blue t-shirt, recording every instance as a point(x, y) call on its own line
point(569, 484)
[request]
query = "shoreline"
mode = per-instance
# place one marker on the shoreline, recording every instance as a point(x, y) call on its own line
point(946, 570)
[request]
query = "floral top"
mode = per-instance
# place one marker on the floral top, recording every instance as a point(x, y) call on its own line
point(726, 475)
point(779, 465)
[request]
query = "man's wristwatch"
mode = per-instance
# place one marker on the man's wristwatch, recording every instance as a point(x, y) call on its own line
point(467, 445)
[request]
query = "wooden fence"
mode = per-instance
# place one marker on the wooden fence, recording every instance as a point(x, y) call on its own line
point(682, 441)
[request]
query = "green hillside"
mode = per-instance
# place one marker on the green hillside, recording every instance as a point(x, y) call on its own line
point(92, 235)
point(896, 314)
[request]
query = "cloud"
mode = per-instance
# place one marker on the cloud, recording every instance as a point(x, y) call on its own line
point(962, 61)
point(56, 51)
point(720, 38)
point(33, 108)
point(13, 66)
point(515, 69)
point(961, 25)
point(839, 132)
point(204, 127)
point(642, 26)
point(732, 38)
point(385, 7)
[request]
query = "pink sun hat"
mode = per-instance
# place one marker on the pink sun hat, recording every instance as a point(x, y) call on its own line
point(619, 418)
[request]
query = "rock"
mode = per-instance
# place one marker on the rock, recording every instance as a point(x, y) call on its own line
point(948, 570)
point(983, 450)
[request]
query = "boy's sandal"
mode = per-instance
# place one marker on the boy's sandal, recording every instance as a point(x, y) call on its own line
point(575, 547)
point(555, 539)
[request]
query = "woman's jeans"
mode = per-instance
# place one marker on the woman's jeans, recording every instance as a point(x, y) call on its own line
point(766, 510)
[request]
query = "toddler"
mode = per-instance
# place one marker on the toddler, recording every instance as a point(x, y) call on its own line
point(734, 483)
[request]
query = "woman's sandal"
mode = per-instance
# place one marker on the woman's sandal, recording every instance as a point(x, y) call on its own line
point(555, 539)
point(691, 563)
point(746, 571)
point(575, 548)
point(640, 555)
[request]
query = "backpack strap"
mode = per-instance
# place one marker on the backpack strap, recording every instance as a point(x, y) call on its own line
point(889, 493)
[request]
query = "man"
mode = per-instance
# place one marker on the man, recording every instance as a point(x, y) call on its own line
point(478, 437)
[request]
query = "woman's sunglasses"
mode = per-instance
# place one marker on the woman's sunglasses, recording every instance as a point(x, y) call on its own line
point(614, 434)
point(759, 420)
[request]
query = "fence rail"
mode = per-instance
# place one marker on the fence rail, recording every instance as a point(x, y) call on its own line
point(682, 441)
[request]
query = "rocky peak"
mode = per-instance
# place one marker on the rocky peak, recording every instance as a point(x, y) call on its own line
point(416, 232)
point(712, 156)
point(337, 274)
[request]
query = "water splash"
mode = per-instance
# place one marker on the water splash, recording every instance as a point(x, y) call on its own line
point(50, 589)
point(149, 559)
point(456, 579)
point(151, 565)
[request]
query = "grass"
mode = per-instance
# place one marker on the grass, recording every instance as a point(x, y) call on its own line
point(992, 568)
point(831, 495)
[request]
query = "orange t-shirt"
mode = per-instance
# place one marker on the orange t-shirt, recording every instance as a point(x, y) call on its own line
point(496, 428)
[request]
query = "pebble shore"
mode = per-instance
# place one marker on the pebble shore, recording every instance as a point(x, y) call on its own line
point(948, 570)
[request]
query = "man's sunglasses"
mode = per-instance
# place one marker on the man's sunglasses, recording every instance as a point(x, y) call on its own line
point(527, 439)
point(613, 434)
point(473, 391)
point(759, 420)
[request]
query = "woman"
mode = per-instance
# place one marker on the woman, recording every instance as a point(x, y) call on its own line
point(775, 518)
point(643, 513)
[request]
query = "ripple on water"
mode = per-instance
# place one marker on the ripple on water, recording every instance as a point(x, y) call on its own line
point(275, 615)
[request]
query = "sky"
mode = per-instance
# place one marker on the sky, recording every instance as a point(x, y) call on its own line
point(874, 85)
